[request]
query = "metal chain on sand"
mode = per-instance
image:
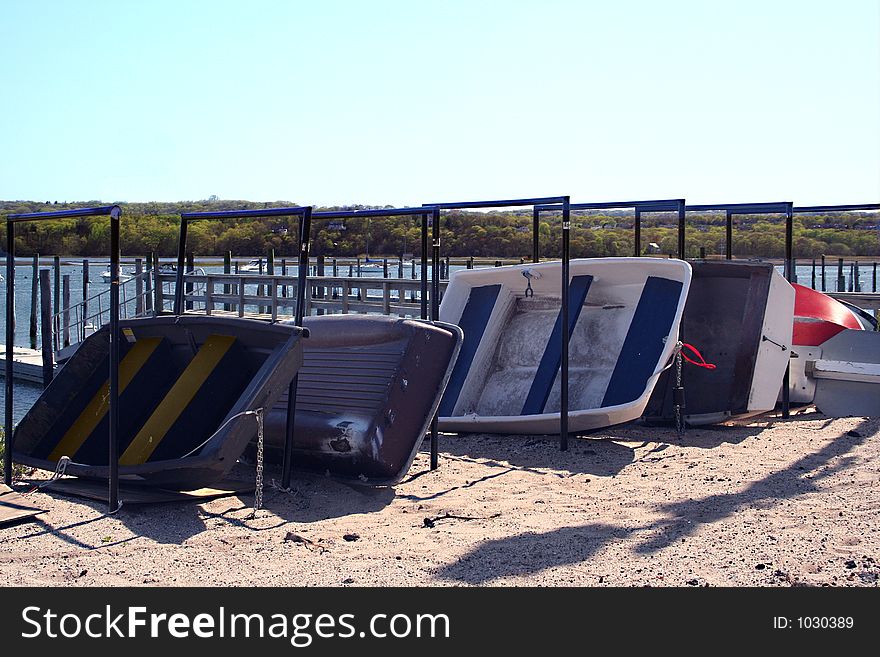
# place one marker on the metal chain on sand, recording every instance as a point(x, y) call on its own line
point(258, 490)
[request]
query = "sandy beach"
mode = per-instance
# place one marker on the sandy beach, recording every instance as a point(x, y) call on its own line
point(766, 503)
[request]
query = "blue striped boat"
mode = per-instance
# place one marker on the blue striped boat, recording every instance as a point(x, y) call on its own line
point(624, 315)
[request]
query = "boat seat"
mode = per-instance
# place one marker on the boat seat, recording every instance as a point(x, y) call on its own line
point(200, 397)
point(473, 322)
point(644, 341)
point(545, 375)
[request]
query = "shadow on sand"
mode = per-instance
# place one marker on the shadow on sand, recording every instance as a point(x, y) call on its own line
point(312, 498)
point(532, 552)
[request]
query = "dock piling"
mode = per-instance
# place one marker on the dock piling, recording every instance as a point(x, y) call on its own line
point(139, 286)
point(56, 267)
point(65, 313)
point(32, 331)
point(46, 326)
point(85, 300)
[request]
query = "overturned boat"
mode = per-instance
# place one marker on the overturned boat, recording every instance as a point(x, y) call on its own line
point(835, 361)
point(366, 394)
point(817, 319)
point(624, 315)
point(739, 316)
point(186, 384)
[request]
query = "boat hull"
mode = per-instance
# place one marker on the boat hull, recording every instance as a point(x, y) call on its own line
point(817, 319)
point(182, 380)
point(739, 316)
point(847, 374)
point(366, 394)
point(623, 316)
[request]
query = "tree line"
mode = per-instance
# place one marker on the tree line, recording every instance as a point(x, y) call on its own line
point(153, 227)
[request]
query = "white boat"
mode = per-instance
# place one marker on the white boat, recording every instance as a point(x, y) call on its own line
point(835, 362)
point(123, 276)
point(846, 374)
point(624, 317)
point(255, 265)
point(739, 317)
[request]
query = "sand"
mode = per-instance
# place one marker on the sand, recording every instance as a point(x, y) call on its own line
point(767, 503)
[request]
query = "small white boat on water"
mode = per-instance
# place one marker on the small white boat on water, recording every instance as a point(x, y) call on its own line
point(256, 265)
point(624, 315)
point(123, 276)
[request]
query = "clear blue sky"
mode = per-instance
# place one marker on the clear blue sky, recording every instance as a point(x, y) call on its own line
point(407, 102)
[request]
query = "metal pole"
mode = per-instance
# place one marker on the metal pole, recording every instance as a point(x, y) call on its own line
point(823, 272)
point(536, 227)
point(435, 315)
point(728, 236)
point(305, 227)
point(813, 275)
point(681, 218)
point(563, 382)
point(113, 496)
point(435, 265)
point(424, 267)
point(637, 233)
point(10, 341)
point(181, 262)
point(790, 276)
point(789, 255)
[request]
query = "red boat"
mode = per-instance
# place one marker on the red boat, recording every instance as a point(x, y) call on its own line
point(818, 317)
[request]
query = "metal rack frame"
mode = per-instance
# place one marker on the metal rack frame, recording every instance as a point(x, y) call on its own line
point(387, 213)
point(559, 203)
point(114, 212)
point(305, 215)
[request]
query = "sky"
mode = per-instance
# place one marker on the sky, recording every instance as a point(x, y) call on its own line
point(403, 103)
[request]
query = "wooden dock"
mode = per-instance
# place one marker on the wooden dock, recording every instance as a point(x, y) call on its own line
point(27, 364)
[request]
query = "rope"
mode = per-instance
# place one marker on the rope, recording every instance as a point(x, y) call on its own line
point(60, 468)
point(701, 363)
point(257, 412)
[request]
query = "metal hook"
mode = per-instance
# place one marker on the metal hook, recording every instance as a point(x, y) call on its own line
point(529, 276)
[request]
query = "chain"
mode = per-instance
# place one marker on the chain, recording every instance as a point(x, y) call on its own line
point(258, 491)
point(677, 401)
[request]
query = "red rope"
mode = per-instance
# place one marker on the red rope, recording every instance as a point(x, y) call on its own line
point(701, 363)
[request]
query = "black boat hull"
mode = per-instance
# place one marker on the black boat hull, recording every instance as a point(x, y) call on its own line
point(367, 392)
point(182, 381)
